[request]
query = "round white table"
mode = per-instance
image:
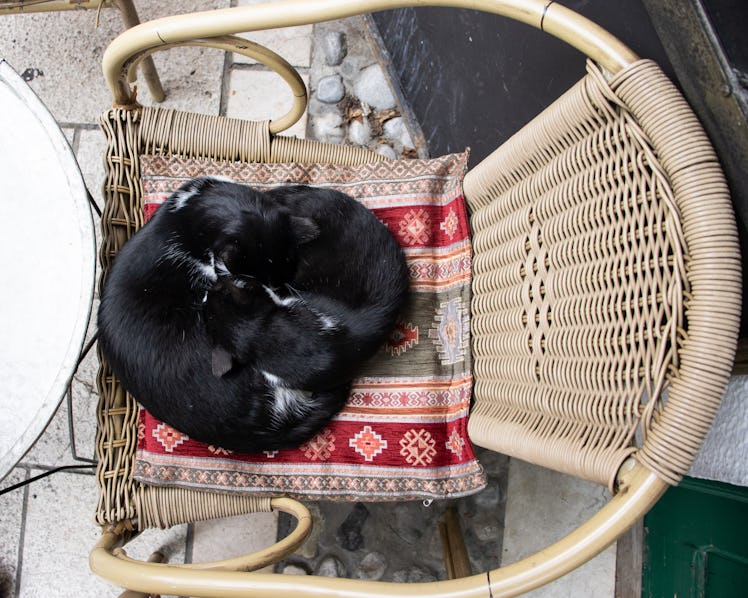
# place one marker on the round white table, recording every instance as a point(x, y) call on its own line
point(47, 252)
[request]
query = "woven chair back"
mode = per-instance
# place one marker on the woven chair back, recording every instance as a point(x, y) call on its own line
point(592, 244)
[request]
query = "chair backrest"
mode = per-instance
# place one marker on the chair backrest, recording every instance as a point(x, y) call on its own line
point(606, 294)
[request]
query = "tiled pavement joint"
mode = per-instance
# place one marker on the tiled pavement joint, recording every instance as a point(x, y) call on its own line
point(22, 535)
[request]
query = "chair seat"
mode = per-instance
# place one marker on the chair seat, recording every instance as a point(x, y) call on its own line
point(403, 433)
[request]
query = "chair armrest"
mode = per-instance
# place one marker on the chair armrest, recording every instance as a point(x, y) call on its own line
point(228, 43)
point(108, 558)
point(555, 19)
point(638, 490)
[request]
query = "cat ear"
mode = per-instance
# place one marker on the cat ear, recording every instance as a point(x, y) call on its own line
point(220, 360)
point(304, 229)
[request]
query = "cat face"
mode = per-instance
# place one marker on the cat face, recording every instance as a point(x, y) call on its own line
point(239, 230)
point(263, 246)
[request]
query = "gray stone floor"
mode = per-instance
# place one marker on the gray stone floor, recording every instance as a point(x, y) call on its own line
point(47, 528)
point(401, 541)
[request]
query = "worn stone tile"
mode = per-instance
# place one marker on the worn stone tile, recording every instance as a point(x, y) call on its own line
point(260, 95)
point(90, 154)
point(292, 43)
point(542, 507)
point(170, 542)
point(233, 536)
point(11, 523)
point(191, 76)
point(52, 448)
point(69, 133)
point(61, 53)
point(60, 523)
point(85, 400)
point(60, 532)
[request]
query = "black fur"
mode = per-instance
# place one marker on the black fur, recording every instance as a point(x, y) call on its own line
point(228, 294)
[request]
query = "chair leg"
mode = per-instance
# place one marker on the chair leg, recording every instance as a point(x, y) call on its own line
point(456, 557)
point(131, 19)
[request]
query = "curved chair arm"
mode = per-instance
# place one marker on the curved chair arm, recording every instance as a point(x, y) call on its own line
point(639, 489)
point(579, 32)
point(108, 553)
point(231, 43)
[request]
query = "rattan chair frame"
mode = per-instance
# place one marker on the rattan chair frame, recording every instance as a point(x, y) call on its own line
point(607, 367)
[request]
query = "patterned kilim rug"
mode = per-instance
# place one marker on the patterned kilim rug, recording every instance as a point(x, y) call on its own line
point(403, 433)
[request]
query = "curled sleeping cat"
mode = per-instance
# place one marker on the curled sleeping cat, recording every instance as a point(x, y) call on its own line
point(239, 317)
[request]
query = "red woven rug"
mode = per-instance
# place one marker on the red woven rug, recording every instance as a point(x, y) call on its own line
point(403, 434)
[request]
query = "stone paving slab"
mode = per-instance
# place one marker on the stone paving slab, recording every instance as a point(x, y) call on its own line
point(11, 525)
point(61, 52)
point(542, 507)
point(292, 43)
point(56, 541)
point(262, 95)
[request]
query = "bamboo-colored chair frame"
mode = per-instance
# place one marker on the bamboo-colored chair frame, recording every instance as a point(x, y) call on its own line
point(129, 18)
point(632, 415)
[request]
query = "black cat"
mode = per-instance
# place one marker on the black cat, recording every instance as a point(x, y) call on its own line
point(240, 317)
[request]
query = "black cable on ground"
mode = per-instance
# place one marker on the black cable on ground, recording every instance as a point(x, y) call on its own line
point(43, 475)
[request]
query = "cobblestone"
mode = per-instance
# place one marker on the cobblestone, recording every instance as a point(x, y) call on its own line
point(401, 541)
point(372, 566)
point(371, 87)
point(330, 89)
point(334, 44)
point(352, 99)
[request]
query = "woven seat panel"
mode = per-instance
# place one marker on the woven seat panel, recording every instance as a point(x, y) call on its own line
point(130, 134)
point(579, 287)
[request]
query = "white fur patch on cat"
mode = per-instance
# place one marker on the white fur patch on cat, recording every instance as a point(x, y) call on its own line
point(288, 402)
point(328, 322)
point(280, 301)
point(221, 268)
point(209, 269)
point(181, 197)
point(176, 255)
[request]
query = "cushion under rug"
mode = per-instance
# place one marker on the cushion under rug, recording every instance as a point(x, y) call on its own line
point(403, 433)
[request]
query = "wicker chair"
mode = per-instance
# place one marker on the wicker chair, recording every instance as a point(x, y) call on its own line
point(129, 18)
point(606, 294)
